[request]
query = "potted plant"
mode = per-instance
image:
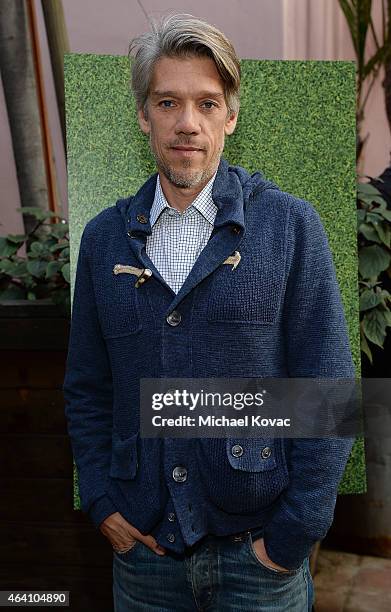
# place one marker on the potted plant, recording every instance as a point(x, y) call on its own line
point(374, 235)
point(35, 286)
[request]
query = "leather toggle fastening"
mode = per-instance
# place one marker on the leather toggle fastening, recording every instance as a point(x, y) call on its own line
point(234, 260)
point(143, 274)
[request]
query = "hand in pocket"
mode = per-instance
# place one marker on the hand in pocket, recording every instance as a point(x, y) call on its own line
point(123, 536)
point(259, 547)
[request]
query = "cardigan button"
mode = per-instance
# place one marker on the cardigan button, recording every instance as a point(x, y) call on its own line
point(142, 219)
point(179, 474)
point(236, 230)
point(237, 450)
point(171, 517)
point(170, 537)
point(266, 452)
point(174, 318)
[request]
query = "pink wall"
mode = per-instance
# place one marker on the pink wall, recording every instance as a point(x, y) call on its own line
point(97, 26)
point(321, 33)
point(378, 148)
point(10, 220)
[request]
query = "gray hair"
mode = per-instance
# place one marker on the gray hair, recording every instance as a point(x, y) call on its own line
point(183, 35)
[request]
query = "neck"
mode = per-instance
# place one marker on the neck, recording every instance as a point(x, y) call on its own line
point(180, 197)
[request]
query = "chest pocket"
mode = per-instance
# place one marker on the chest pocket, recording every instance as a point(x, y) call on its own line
point(250, 293)
point(118, 303)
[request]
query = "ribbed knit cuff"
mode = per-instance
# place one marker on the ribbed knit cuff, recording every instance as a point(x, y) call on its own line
point(101, 509)
point(287, 543)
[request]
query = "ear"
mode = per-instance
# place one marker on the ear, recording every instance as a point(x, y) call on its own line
point(143, 121)
point(230, 123)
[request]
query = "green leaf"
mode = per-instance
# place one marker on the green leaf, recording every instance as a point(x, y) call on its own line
point(7, 248)
point(65, 254)
point(367, 189)
point(39, 248)
point(13, 268)
point(378, 57)
point(361, 215)
point(50, 242)
point(384, 233)
point(365, 347)
point(374, 325)
point(384, 296)
point(18, 238)
point(52, 268)
point(367, 199)
point(37, 268)
point(66, 272)
point(369, 232)
point(386, 214)
point(31, 295)
point(374, 218)
point(363, 10)
point(351, 21)
point(369, 299)
point(59, 246)
point(373, 260)
point(369, 194)
point(59, 230)
point(6, 266)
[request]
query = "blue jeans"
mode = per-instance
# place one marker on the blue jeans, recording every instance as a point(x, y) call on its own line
point(219, 574)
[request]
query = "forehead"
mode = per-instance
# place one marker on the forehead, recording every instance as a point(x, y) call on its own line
point(187, 75)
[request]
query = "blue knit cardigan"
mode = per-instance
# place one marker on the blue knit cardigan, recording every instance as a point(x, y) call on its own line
point(279, 315)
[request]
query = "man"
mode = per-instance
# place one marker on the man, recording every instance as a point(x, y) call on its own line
point(202, 523)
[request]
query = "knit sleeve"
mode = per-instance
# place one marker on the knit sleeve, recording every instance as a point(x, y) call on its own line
point(316, 345)
point(88, 393)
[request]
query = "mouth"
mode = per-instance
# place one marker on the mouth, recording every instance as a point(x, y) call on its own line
point(186, 151)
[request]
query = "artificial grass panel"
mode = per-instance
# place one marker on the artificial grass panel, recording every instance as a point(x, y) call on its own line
point(297, 124)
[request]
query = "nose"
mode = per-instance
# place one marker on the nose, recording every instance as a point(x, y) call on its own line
point(187, 122)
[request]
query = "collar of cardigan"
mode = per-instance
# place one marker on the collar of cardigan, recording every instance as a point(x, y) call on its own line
point(229, 194)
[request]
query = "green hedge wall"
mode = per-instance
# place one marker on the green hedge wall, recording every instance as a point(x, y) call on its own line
point(297, 124)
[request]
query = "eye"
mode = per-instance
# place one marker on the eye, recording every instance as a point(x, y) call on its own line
point(209, 104)
point(166, 103)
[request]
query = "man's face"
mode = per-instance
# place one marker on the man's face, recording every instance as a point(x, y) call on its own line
point(187, 119)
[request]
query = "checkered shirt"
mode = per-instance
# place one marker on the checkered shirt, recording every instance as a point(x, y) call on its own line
point(178, 238)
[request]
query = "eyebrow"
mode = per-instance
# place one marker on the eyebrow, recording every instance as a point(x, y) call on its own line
point(203, 94)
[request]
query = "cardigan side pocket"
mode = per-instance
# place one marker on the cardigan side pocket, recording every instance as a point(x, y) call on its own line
point(242, 475)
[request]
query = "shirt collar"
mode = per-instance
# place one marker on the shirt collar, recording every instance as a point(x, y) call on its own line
point(203, 202)
point(230, 192)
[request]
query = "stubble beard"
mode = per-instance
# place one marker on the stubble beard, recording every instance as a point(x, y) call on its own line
point(185, 178)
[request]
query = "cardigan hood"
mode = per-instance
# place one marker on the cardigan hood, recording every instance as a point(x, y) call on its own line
point(232, 188)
